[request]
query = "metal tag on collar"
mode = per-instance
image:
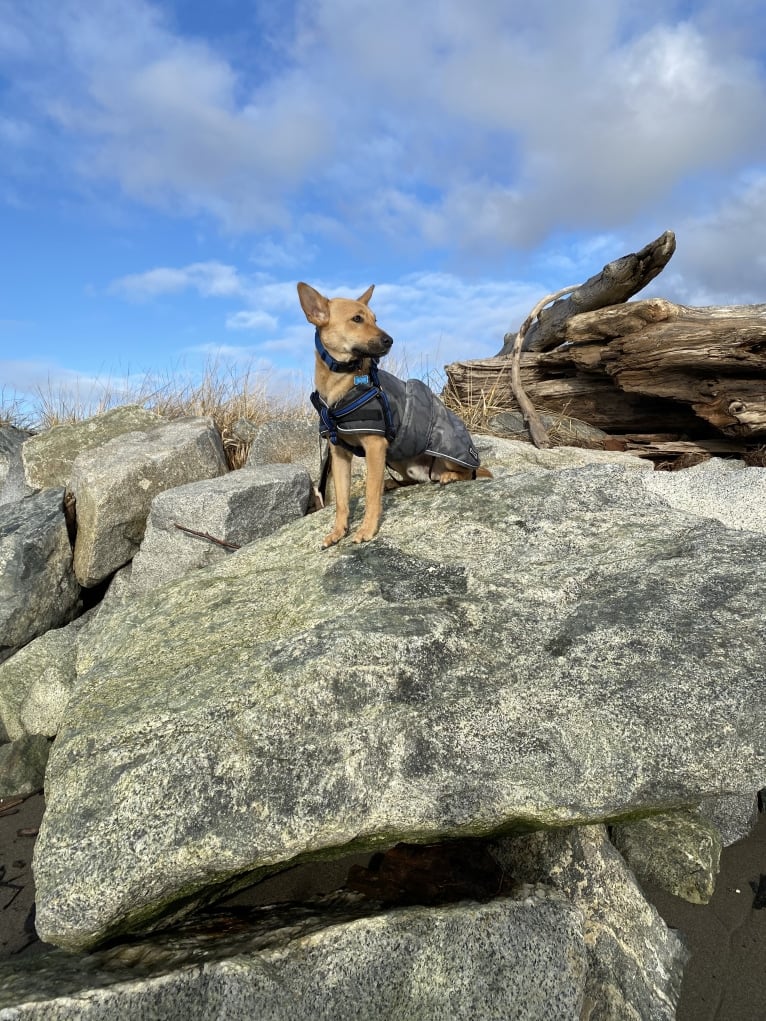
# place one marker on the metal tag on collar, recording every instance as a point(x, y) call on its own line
point(361, 380)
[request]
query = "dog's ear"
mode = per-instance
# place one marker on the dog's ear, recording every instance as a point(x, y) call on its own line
point(314, 304)
point(365, 298)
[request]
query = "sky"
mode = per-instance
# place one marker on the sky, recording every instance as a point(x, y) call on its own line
point(171, 169)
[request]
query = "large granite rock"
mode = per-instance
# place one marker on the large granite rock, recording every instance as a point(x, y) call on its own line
point(733, 815)
point(561, 429)
point(727, 490)
point(38, 589)
point(115, 484)
point(49, 456)
point(36, 682)
point(679, 852)
point(237, 508)
point(22, 765)
point(543, 649)
point(516, 455)
point(12, 485)
point(522, 958)
point(283, 442)
point(635, 963)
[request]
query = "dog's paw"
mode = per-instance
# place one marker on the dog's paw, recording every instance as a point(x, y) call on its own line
point(446, 477)
point(334, 537)
point(364, 534)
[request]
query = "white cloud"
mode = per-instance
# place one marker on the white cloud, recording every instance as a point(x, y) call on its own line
point(210, 279)
point(251, 320)
point(721, 255)
point(483, 129)
point(485, 126)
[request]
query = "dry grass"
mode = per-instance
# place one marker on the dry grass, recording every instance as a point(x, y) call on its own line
point(755, 457)
point(12, 410)
point(477, 407)
point(223, 393)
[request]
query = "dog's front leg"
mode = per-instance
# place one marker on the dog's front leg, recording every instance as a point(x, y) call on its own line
point(340, 460)
point(375, 455)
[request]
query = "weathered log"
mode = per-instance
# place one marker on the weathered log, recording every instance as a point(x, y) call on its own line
point(485, 384)
point(712, 360)
point(617, 282)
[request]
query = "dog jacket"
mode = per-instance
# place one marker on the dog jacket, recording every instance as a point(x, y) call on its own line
point(408, 413)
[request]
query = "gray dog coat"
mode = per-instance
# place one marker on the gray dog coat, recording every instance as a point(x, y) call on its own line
point(409, 413)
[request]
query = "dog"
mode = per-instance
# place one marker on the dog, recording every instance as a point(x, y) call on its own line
point(370, 413)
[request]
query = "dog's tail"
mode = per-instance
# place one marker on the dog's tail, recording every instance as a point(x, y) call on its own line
point(483, 473)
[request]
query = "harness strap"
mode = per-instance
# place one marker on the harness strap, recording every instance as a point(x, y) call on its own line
point(331, 417)
point(388, 416)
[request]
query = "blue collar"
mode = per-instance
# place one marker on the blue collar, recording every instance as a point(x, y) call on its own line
point(330, 362)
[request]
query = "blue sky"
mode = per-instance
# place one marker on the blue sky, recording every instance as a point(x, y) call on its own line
point(171, 169)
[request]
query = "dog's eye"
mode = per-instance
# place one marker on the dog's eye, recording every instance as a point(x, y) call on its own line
point(357, 318)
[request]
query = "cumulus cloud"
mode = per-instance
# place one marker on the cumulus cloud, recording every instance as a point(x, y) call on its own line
point(484, 129)
point(248, 319)
point(721, 256)
point(210, 279)
point(490, 125)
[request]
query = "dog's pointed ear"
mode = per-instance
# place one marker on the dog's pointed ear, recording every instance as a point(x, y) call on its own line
point(365, 298)
point(315, 305)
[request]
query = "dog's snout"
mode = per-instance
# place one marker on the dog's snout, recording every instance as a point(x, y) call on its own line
point(386, 342)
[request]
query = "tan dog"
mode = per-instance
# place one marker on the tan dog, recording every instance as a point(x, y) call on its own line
point(348, 344)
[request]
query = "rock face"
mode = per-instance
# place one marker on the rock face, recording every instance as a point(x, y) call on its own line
point(680, 852)
point(733, 815)
point(236, 508)
point(561, 429)
point(12, 485)
point(725, 490)
point(284, 442)
point(544, 649)
point(520, 958)
point(114, 486)
point(49, 456)
point(38, 589)
point(36, 683)
point(22, 765)
point(515, 455)
point(635, 964)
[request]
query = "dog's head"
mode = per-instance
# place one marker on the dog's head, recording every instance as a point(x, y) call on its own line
point(346, 327)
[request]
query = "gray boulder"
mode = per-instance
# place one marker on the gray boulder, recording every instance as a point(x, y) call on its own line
point(38, 589)
point(283, 442)
point(542, 649)
point(635, 963)
point(22, 765)
point(49, 456)
point(236, 508)
point(561, 429)
point(12, 485)
point(515, 455)
point(36, 682)
point(680, 852)
point(115, 484)
point(520, 958)
point(727, 490)
point(733, 815)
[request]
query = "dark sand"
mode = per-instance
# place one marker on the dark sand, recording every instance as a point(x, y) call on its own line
point(725, 979)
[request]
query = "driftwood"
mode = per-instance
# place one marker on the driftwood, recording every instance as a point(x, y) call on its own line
point(661, 379)
point(207, 536)
point(617, 281)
